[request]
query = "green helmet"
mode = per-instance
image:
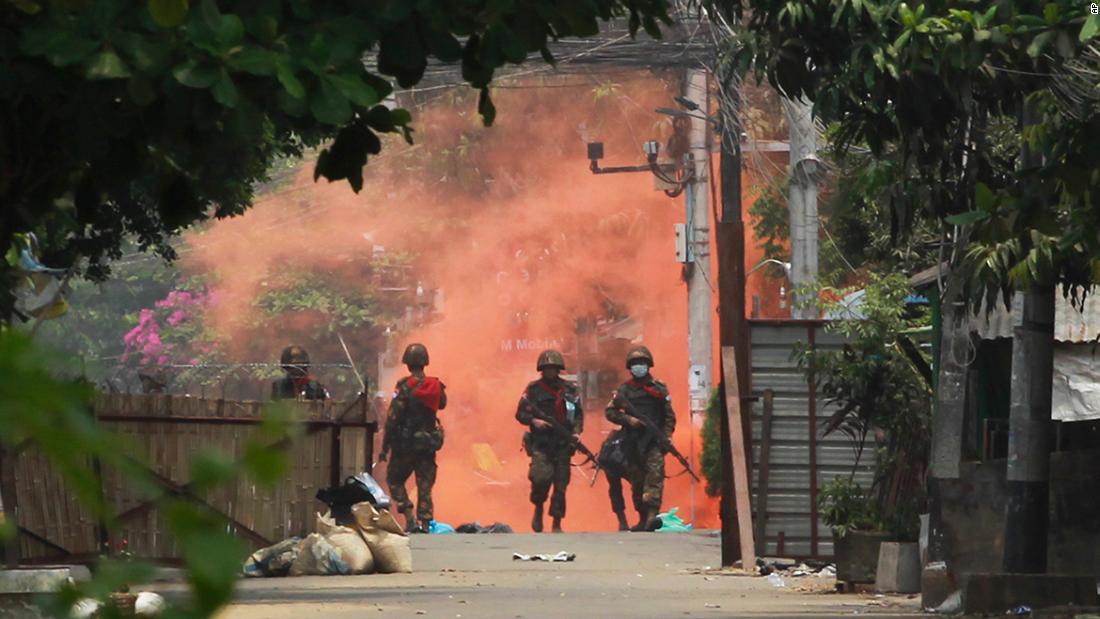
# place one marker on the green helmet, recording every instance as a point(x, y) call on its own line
point(415, 355)
point(294, 356)
point(636, 353)
point(550, 358)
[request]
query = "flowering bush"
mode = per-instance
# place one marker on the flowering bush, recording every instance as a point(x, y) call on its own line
point(171, 332)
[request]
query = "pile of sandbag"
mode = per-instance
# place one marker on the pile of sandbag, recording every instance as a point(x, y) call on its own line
point(375, 543)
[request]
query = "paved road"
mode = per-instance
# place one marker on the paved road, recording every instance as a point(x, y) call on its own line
point(614, 575)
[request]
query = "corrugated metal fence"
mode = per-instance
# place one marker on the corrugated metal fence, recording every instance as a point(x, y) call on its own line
point(799, 459)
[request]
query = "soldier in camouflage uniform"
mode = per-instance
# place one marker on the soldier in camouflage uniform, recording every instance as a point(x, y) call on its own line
point(550, 451)
point(643, 395)
point(414, 434)
point(298, 382)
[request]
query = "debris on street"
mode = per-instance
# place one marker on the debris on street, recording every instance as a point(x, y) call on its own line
point(475, 527)
point(562, 556)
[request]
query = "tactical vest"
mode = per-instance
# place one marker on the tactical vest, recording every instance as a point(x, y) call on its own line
point(417, 426)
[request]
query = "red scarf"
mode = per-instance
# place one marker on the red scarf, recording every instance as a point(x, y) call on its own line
point(559, 399)
point(301, 383)
point(428, 390)
point(647, 387)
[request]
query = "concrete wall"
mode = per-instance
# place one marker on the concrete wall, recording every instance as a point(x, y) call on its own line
point(974, 508)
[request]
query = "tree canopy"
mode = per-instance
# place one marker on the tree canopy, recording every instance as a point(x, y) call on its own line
point(934, 83)
point(139, 119)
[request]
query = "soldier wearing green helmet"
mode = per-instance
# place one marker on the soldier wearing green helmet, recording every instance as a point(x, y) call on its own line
point(414, 434)
point(643, 395)
point(550, 452)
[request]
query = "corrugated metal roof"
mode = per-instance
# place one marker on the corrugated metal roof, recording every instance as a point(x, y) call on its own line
point(789, 500)
point(1070, 323)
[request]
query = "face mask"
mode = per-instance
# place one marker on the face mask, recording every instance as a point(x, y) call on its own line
point(639, 370)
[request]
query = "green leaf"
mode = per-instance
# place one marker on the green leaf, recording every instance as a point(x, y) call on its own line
point(225, 91)
point(168, 13)
point(968, 218)
point(486, 108)
point(1089, 30)
point(1050, 13)
point(329, 105)
point(401, 117)
point(354, 89)
point(982, 35)
point(903, 39)
point(1040, 43)
point(254, 60)
point(230, 31)
point(211, 16)
point(266, 465)
point(195, 75)
point(211, 468)
point(289, 81)
point(983, 198)
point(106, 65)
point(983, 19)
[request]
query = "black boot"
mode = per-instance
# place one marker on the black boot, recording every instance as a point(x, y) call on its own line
point(536, 520)
point(623, 526)
point(410, 522)
point(557, 524)
point(425, 526)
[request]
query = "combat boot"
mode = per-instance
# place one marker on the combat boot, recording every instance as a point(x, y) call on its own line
point(536, 520)
point(425, 526)
point(410, 522)
point(557, 525)
point(623, 526)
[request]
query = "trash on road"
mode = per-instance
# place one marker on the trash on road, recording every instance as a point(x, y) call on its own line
point(560, 557)
point(440, 528)
point(671, 523)
point(475, 527)
point(273, 560)
point(776, 580)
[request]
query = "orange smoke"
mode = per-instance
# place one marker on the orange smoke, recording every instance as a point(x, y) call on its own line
point(521, 240)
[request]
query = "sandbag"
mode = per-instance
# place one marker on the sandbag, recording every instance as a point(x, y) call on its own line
point(317, 557)
point(386, 539)
point(273, 560)
point(347, 541)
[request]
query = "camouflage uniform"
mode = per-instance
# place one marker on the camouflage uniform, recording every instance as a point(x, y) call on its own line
point(413, 434)
point(645, 467)
point(550, 453)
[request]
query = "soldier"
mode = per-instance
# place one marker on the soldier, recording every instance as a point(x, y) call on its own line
point(550, 450)
point(643, 395)
point(613, 462)
point(414, 434)
point(298, 382)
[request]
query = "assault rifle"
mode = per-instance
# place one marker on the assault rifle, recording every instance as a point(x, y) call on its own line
point(664, 442)
point(561, 430)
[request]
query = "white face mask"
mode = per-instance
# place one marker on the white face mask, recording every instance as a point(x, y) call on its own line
point(639, 371)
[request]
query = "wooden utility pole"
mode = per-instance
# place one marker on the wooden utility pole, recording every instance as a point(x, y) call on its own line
point(730, 249)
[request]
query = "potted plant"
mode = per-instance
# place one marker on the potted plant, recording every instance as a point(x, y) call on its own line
point(880, 387)
point(857, 529)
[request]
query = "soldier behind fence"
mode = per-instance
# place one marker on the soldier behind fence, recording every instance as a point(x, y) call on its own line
point(413, 434)
point(550, 451)
point(643, 395)
point(298, 383)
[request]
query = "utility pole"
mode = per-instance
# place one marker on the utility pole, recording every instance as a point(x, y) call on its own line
point(697, 230)
point(732, 327)
point(805, 170)
point(1027, 509)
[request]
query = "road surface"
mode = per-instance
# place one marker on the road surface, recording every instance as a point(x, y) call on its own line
point(637, 575)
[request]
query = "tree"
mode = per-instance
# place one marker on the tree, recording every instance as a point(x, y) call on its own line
point(936, 84)
point(140, 119)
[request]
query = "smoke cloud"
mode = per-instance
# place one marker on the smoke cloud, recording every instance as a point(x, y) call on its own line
point(514, 239)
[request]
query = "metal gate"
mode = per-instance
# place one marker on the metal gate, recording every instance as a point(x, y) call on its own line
point(791, 460)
